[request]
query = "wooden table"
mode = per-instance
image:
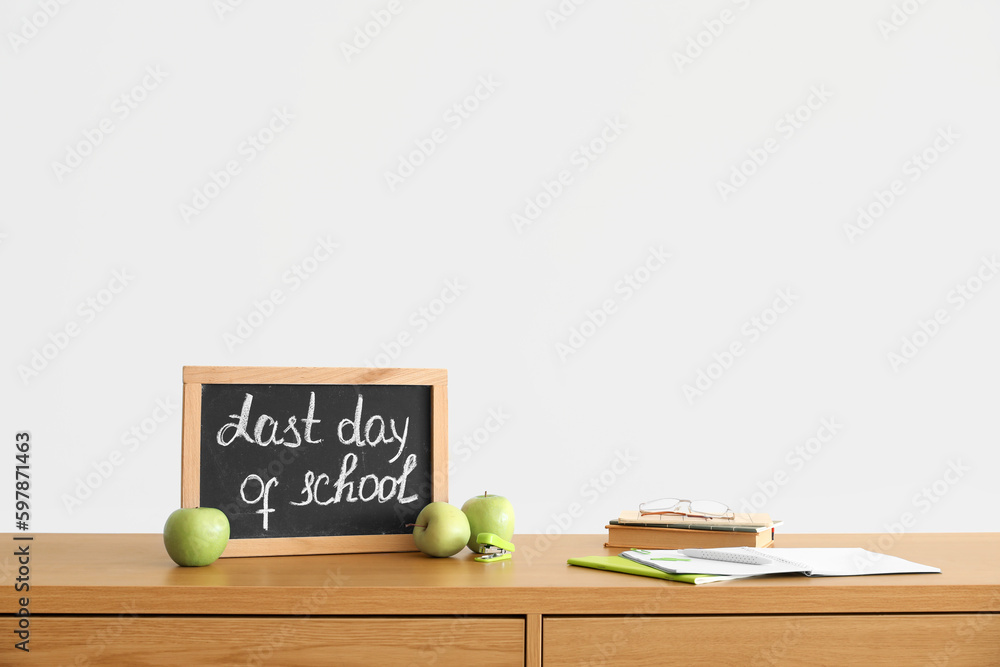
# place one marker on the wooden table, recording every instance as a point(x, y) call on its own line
point(118, 599)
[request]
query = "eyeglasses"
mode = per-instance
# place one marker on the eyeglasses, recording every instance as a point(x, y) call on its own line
point(709, 509)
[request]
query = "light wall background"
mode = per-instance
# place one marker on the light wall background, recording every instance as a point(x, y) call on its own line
point(600, 428)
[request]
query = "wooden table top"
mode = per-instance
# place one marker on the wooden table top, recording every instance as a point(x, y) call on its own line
point(131, 573)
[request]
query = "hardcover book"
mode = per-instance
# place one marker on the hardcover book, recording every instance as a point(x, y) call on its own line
point(641, 537)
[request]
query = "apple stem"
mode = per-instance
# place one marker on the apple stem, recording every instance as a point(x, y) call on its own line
point(418, 525)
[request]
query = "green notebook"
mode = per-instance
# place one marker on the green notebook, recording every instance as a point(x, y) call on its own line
point(619, 564)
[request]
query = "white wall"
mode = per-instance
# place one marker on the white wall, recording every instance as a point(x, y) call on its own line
point(614, 409)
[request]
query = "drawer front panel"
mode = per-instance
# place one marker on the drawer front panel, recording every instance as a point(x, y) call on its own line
point(270, 640)
point(917, 639)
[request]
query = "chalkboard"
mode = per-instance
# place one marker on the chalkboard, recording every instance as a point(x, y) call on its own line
point(314, 460)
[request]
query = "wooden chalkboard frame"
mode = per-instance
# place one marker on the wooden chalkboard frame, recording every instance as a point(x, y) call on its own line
point(196, 376)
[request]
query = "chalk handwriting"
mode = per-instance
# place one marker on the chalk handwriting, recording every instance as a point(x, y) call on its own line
point(230, 431)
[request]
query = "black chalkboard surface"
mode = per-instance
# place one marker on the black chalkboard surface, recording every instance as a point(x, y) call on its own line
point(315, 460)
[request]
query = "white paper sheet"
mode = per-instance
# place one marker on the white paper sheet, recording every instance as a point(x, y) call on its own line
point(814, 562)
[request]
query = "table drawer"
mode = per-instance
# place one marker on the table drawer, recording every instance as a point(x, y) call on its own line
point(273, 640)
point(877, 639)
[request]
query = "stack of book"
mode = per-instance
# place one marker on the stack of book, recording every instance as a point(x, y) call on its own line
point(632, 530)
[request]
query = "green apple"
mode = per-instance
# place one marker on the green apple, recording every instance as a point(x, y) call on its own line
point(196, 536)
point(489, 514)
point(441, 530)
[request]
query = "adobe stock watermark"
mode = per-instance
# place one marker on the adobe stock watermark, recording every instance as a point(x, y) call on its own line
point(562, 12)
point(787, 126)
point(922, 501)
point(795, 459)
point(957, 298)
point(466, 447)
point(591, 490)
point(712, 30)
point(108, 634)
point(131, 440)
point(899, 16)
point(295, 276)
point(246, 152)
point(122, 106)
point(777, 651)
point(751, 331)
point(970, 627)
point(87, 311)
point(436, 646)
point(623, 290)
point(582, 158)
point(635, 622)
point(912, 169)
point(366, 33)
point(456, 115)
point(224, 8)
point(34, 23)
point(418, 322)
